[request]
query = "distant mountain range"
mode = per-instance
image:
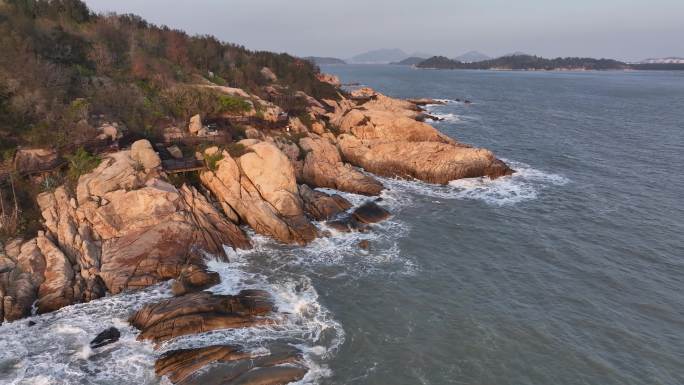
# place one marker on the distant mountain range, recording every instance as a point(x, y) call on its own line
point(380, 56)
point(515, 61)
point(530, 62)
point(325, 60)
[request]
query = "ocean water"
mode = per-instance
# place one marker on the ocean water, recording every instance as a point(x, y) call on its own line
point(569, 272)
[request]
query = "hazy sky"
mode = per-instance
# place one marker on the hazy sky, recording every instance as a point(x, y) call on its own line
point(622, 29)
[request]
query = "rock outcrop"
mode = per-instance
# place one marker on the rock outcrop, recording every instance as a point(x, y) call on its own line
point(385, 136)
point(323, 167)
point(260, 188)
point(128, 229)
point(217, 364)
point(19, 286)
point(201, 312)
point(433, 162)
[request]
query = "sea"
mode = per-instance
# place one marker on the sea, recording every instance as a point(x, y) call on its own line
point(571, 271)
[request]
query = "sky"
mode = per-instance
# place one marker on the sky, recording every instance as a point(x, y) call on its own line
point(621, 29)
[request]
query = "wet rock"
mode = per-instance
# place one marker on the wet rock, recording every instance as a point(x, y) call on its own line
point(177, 365)
point(106, 337)
point(364, 244)
point(276, 375)
point(194, 278)
point(321, 206)
point(370, 212)
point(347, 224)
point(201, 312)
point(227, 365)
point(31, 323)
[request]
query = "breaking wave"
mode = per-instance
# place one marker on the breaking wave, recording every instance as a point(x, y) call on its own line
point(524, 185)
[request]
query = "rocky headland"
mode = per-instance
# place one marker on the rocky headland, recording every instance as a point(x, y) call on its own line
point(126, 225)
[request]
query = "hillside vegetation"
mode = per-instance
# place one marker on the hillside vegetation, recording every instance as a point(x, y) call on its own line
point(62, 64)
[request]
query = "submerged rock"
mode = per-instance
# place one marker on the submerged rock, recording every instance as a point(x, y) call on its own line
point(194, 278)
point(106, 337)
point(370, 212)
point(225, 364)
point(321, 206)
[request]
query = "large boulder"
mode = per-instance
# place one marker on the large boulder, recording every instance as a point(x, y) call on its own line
point(432, 162)
point(116, 171)
point(323, 167)
point(228, 364)
point(201, 312)
point(150, 234)
point(260, 187)
point(147, 256)
point(143, 153)
point(384, 136)
point(321, 206)
point(195, 125)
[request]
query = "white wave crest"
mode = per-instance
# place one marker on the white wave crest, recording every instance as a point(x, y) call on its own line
point(524, 185)
point(446, 117)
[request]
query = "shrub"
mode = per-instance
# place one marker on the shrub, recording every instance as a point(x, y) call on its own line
point(237, 150)
point(81, 162)
point(305, 118)
point(212, 160)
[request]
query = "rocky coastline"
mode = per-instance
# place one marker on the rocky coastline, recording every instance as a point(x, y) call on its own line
point(126, 226)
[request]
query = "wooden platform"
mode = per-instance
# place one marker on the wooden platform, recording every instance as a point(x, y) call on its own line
point(175, 166)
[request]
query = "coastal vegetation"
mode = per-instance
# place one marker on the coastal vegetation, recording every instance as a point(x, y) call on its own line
point(62, 63)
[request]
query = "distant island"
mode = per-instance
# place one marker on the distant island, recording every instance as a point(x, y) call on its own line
point(536, 63)
point(409, 61)
point(325, 60)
